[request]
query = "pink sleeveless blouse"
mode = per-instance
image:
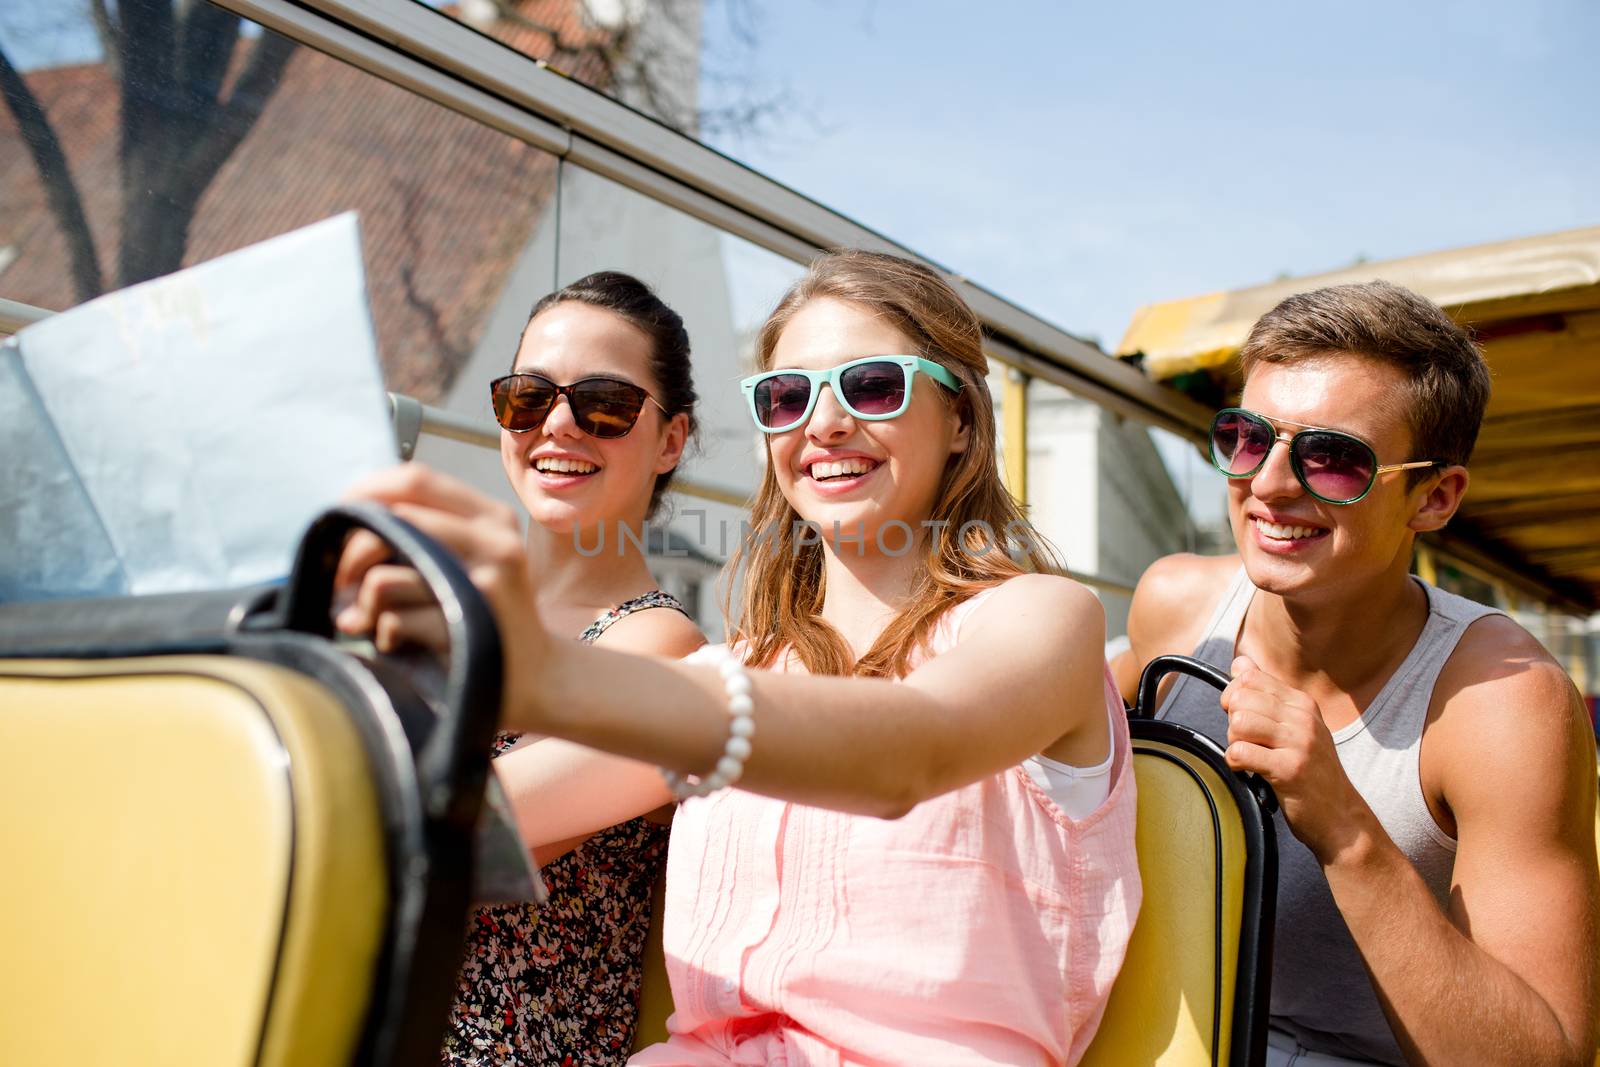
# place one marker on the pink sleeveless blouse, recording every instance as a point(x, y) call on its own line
point(983, 927)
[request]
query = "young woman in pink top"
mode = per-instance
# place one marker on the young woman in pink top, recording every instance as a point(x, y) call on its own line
point(929, 855)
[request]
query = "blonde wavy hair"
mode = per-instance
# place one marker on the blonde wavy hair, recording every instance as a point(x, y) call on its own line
point(784, 576)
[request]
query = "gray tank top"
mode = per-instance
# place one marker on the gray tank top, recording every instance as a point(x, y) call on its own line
point(1321, 995)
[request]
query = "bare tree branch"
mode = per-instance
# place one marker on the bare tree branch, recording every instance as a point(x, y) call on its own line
point(59, 188)
point(411, 209)
point(171, 60)
point(752, 110)
point(146, 138)
point(207, 36)
point(106, 30)
point(146, 60)
point(177, 132)
point(234, 119)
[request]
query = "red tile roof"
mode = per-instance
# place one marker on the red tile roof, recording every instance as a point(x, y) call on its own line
point(446, 204)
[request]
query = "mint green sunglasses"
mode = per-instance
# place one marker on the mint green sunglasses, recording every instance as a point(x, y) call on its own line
point(874, 388)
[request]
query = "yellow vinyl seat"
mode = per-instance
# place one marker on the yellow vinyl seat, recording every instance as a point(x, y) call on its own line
point(229, 842)
point(655, 992)
point(1195, 985)
point(196, 876)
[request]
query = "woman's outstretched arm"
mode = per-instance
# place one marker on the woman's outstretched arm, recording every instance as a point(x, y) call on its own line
point(1027, 673)
point(562, 792)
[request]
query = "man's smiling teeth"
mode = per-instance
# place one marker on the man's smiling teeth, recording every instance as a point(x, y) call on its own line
point(839, 468)
point(1285, 533)
point(563, 466)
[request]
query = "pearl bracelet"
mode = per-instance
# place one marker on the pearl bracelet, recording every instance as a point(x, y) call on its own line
point(741, 728)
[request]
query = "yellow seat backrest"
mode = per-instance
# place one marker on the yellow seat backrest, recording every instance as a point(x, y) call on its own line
point(1164, 1007)
point(655, 992)
point(194, 865)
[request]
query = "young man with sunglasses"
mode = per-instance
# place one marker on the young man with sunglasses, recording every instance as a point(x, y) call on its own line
point(1436, 771)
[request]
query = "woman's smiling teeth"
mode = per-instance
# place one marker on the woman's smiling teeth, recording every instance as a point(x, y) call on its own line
point(1285, 533)
point(551, 465)
point(840, 468)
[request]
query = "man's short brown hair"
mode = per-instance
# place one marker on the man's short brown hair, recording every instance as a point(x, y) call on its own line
point(1447, 376)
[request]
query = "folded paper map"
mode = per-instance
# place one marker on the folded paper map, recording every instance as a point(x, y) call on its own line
point(180, 434)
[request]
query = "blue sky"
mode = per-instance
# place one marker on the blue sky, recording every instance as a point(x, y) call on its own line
point(1083, 159)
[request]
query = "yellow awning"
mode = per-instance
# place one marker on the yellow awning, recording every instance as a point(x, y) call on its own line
point(1534, 303)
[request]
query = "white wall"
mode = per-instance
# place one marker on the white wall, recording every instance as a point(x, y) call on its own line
point(1100, 492)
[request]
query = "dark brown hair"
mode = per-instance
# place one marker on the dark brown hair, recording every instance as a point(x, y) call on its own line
point(670, 363)
point(1447, 378)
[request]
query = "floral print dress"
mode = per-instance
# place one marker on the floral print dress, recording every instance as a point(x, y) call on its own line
point(559, 984)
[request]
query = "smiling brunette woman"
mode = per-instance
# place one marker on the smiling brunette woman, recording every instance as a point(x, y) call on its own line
point(595, 415)
point(929, 856)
